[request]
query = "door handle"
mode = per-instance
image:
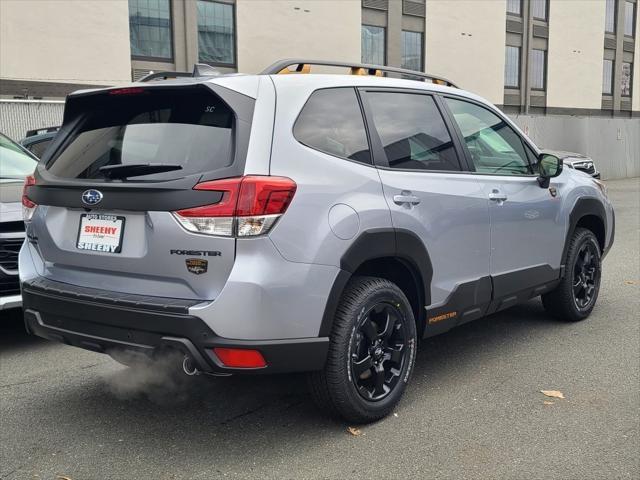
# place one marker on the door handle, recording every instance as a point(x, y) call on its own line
point(497, 196)
point(406, 198)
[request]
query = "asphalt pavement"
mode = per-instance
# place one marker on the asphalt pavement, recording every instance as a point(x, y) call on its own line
point(474, 409)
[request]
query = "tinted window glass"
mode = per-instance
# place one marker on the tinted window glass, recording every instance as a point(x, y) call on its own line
point(610, 16)
point(39, 148)
point(412, 50)
point(14, 161)
point(150, 28)
point(512, 67)
point(626, 79)
point(629, 18)
point(373, 44)
point(191, 128)
point(514, 7)
point(331, 121)
point(494, 146)
point(538, 67)
point(412, 131)
point(215, 32)
point(607, 77)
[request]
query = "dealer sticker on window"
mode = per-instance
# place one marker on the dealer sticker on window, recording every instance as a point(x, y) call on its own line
point(100, 233)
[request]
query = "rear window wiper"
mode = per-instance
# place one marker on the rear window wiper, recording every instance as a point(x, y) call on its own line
point(136, 169)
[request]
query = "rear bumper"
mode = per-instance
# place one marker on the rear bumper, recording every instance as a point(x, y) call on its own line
point(103, 321)
point(10, 301)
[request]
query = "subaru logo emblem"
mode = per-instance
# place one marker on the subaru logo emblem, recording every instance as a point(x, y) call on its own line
point(91, 197)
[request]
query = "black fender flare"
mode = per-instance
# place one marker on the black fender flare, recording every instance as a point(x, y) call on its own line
point(379, 243)
point(582, 208)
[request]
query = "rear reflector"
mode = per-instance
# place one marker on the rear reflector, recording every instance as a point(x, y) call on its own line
point(250, 206)
point(28, 205)
point(240, 358)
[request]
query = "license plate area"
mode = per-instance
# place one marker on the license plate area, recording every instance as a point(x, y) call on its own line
point(99, 232)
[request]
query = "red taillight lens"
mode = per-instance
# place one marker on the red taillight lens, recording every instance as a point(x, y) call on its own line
point(250, 206)
point(264, 196)
point(127, 91)
point(240, 357)
point(28, 205)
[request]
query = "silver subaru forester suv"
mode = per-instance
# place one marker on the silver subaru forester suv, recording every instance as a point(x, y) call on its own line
point(287, 222)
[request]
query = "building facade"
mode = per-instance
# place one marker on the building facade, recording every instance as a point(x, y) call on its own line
point(534, 58)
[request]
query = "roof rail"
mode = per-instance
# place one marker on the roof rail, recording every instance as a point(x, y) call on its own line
point(199, 70)
point(304, 66)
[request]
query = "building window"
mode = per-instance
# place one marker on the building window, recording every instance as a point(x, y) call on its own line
point(626, 79)
point(412, 48)
point(538, 67)
point(512, 67)
point(607, 77)
point(216, 43)
point(629, 18)
point(373, 45)
point(514, 7)
point(539, 8)
point(610, 17)
point(150, 29)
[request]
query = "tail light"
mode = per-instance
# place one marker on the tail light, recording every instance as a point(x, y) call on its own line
point(28, 205)
point(249, 206)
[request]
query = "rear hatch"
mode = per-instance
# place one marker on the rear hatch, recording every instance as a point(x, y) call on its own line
point(124, 160)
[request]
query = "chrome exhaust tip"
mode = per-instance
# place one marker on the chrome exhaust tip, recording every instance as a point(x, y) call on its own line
point(189, 367)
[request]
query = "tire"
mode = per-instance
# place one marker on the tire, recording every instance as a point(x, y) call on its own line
point(369, 363)
point(568, 300)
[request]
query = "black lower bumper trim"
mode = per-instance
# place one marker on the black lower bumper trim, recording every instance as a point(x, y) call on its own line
point(102, 325)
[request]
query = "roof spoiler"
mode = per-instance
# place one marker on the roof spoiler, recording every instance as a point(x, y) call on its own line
point(199, 70)
point(304, 66)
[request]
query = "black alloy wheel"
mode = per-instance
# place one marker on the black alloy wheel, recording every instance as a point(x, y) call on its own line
point(378, 351)
point(576, 294)
point(585, 275)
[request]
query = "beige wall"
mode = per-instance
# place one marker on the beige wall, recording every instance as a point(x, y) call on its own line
point(574, 63)
point(465, 42)
point(81, 41)
point(269, 30)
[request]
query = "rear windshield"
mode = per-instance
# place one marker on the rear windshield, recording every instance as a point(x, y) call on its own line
point(191, 128)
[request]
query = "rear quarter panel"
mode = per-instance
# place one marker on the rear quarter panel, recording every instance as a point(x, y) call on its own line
point(304, 233)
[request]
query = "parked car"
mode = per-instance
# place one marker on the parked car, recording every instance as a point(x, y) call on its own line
point(37, 141)
point(15, 164)
point(328, 235)
point(577, 161)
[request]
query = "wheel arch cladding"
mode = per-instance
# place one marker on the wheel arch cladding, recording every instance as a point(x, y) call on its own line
point(396, 255)
point(587, 213)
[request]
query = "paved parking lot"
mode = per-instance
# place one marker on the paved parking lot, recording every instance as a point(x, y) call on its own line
point(474, 409)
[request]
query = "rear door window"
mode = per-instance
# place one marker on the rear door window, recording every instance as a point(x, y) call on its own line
point(191, 128)
point(331, 121)
point(413, 133)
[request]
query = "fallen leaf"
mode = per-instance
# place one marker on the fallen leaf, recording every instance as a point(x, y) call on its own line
point(547, 403)
point(629, 282)
point(395, 414)
point(354, 431)
point(552, 393)
point(62, 477)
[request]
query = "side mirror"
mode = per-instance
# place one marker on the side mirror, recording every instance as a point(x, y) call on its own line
point(549, 166)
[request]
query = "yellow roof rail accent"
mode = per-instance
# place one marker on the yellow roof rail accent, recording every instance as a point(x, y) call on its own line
point(301, 68)
point(365, 71)
point(304, 66)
